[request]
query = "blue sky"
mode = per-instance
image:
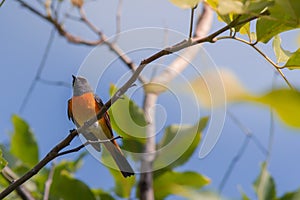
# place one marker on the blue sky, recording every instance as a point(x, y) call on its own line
point(23, 38)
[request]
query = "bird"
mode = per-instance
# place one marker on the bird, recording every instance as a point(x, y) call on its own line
point(84, 105)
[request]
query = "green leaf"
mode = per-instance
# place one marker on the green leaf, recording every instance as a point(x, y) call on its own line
point(264, 185)
point(178, 183)
point(178, 144)
point(123, 186)
point(291, 195)
point(128, 120)
point(281, 54)
point(65, 186)
point(3, 162)
point(185, 3)
point(23, 143)
point(286, 104)
point(284, 16)
point(102, 195)
point(294, 61)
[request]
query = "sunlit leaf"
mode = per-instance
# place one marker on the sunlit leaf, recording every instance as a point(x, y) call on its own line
point(216, 88)
point(294, 61)
point(65, 186)
point(284, 16)
point(281, 54)
point(23, 143)
point(128, 120)
point(286, 104)
point(123, 186)
point(178, 144)
point(178, 183)
point(3, 162)
point(224, 7)
point(185, 3)
point(102, 195)
point(264, 185)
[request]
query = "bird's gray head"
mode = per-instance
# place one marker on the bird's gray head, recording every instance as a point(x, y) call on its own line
point(80, 86)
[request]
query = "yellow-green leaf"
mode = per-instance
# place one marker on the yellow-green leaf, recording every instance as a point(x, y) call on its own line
point(123, 186)
point(285, 102)
point(185, 3)
point(264, 185)
point(65, 186)
point(128, 120)
point(218, 88)
point(178, 144)
point(294, 60)
point(23, 143)
point(3, 162)
point(284, 16)
point(178, 183)
point(281, 54)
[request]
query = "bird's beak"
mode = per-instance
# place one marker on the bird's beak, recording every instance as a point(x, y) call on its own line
point(74, 78)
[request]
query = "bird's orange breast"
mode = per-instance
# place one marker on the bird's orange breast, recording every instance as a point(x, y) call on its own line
point(84, 107)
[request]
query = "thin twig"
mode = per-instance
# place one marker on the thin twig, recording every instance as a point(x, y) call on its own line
point(76, 149)
point(192, 21)
point(248, 137)
point(39, 71)
point(253, 45)
point(248, 132)
point(49, 182)
point(2, 2)
point(233, 162)
point(118, 20)
point(55, 83)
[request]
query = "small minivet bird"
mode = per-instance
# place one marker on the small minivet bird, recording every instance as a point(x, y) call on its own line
point(83, 106)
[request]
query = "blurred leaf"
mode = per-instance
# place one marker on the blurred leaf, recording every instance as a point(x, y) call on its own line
point(281, 54)
point(244, 196)
point(65, 186)
point(220, 88)
point(284, 16)
point(224, 7)
point(286, 104)
point(185, 3)
point(23, 143)
point(294, 60)
point(291, 196)
point(178, 144)
point(264, 185)
point(128, 120)
point(123, 186)
point(178, 183)
point(3, 162)
point(216, 88)
point(102, 195)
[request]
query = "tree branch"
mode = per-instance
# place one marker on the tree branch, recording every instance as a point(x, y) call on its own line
point(10, 176)
point(277, 67)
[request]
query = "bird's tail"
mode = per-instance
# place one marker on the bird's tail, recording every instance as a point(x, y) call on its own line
point(119, 158)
